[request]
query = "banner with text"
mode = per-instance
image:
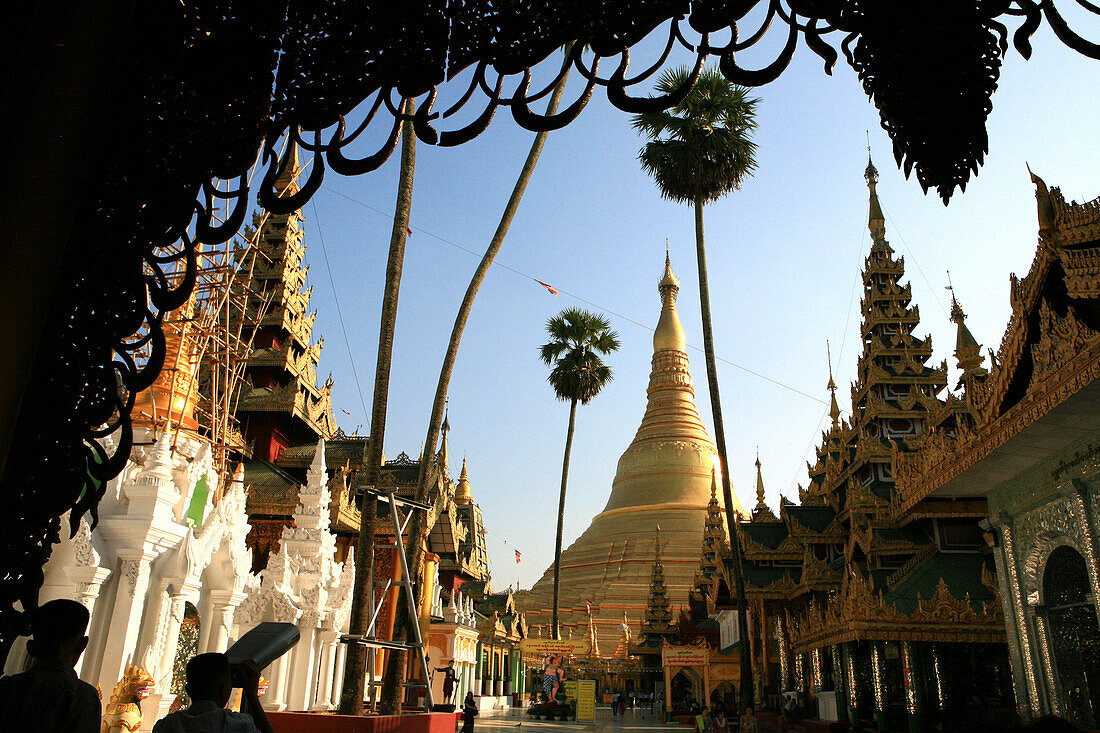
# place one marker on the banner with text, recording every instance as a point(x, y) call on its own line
point(543, 647)
point(688, 656)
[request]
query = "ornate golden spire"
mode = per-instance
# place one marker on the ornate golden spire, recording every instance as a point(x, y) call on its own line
point(834, 408)
point(658, 617)
point(462, 493)
point(876, 222)
point(760, 504)
point(669, 334)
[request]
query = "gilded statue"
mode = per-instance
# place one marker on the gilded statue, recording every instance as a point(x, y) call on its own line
point(123, 712)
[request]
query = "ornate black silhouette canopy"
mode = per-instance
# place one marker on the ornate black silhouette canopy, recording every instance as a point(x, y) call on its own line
point(205, 85)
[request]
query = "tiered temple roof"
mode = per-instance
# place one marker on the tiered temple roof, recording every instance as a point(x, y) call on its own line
point(281, 404)
point(840, 561)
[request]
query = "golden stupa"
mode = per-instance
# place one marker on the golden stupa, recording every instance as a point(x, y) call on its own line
point(663, 478)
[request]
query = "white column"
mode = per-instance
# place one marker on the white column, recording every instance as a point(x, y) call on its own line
point(301, 670)
point(223, 605)
point(276, 690)
point(125, 617)
point(338, 671)
point(88, 580)
point(326, 640)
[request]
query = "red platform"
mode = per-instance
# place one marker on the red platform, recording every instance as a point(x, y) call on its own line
point(323, 723)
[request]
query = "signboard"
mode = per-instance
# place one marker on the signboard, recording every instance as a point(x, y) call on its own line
point(586, 700)
point(584, 692)
point(542, 647)
point(685, 656)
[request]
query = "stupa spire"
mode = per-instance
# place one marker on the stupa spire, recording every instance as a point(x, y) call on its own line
point(759, 484)
point(658, 617)
point(967, 351)
point(834, 408)
point(669, 334)
point(876, 222)
point(462, 493)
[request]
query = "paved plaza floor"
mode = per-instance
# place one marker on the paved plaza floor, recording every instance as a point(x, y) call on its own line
point(634, 721)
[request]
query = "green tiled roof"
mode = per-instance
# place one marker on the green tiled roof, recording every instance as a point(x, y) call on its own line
point(962, 571)
point(769, 534)
point(816, 518)
point(762, 576)
point(338, 453)
point(270, 485)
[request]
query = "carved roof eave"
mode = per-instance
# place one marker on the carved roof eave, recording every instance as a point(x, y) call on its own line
point(942, 463)
point(859, 613)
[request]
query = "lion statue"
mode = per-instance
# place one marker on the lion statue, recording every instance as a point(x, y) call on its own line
point(123, 712)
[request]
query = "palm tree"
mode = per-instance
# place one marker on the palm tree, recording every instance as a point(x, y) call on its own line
point(393, 677)
point(699, 151)
point(355, 667)
point(577, 339)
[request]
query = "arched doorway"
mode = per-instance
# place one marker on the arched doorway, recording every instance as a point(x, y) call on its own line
point(186, 647)
point(1074, 634)
point(686, 688)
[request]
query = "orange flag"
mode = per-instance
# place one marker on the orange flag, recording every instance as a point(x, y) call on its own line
point(553, 291)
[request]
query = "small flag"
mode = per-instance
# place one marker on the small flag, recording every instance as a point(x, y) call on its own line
point(517, 556)
point(552, 289)
point(409, 231)
point(588, 605)
point(345, 412)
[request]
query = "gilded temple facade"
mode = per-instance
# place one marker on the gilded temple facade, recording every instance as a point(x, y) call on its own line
point(663, 477)
point(1032, 451)
point(861, 612)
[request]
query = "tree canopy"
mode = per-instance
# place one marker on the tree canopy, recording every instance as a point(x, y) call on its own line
point(701, 149)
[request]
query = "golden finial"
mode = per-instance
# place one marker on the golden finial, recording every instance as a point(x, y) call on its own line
point(834, 408)
point(760, 503)
point(876, 222)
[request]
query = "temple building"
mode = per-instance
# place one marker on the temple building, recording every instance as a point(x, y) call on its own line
point(862, 611)
point(280, 404)
point(162, 574)
point(663, 477)
point(1032, 451)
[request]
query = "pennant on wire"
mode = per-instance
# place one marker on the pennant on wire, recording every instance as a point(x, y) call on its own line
point(551, 288)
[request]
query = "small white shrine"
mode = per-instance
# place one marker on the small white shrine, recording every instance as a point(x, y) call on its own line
point(304, 585)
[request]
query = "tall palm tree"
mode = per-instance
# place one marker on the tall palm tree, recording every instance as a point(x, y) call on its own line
point(355, 666)
point(418, 527)
point(577, 340)
point(699, 151)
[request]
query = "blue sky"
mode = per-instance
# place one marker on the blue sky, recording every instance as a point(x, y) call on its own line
point(784, 258)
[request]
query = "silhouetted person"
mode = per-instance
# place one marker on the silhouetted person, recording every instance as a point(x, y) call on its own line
point(209, 685)
point(469, 712)
point(50, 696)
point(1051, 724)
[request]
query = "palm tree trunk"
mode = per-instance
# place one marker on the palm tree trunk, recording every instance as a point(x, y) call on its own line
point(355, 668)
point(418, 528)
point(561, 511)
point(746, 692)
